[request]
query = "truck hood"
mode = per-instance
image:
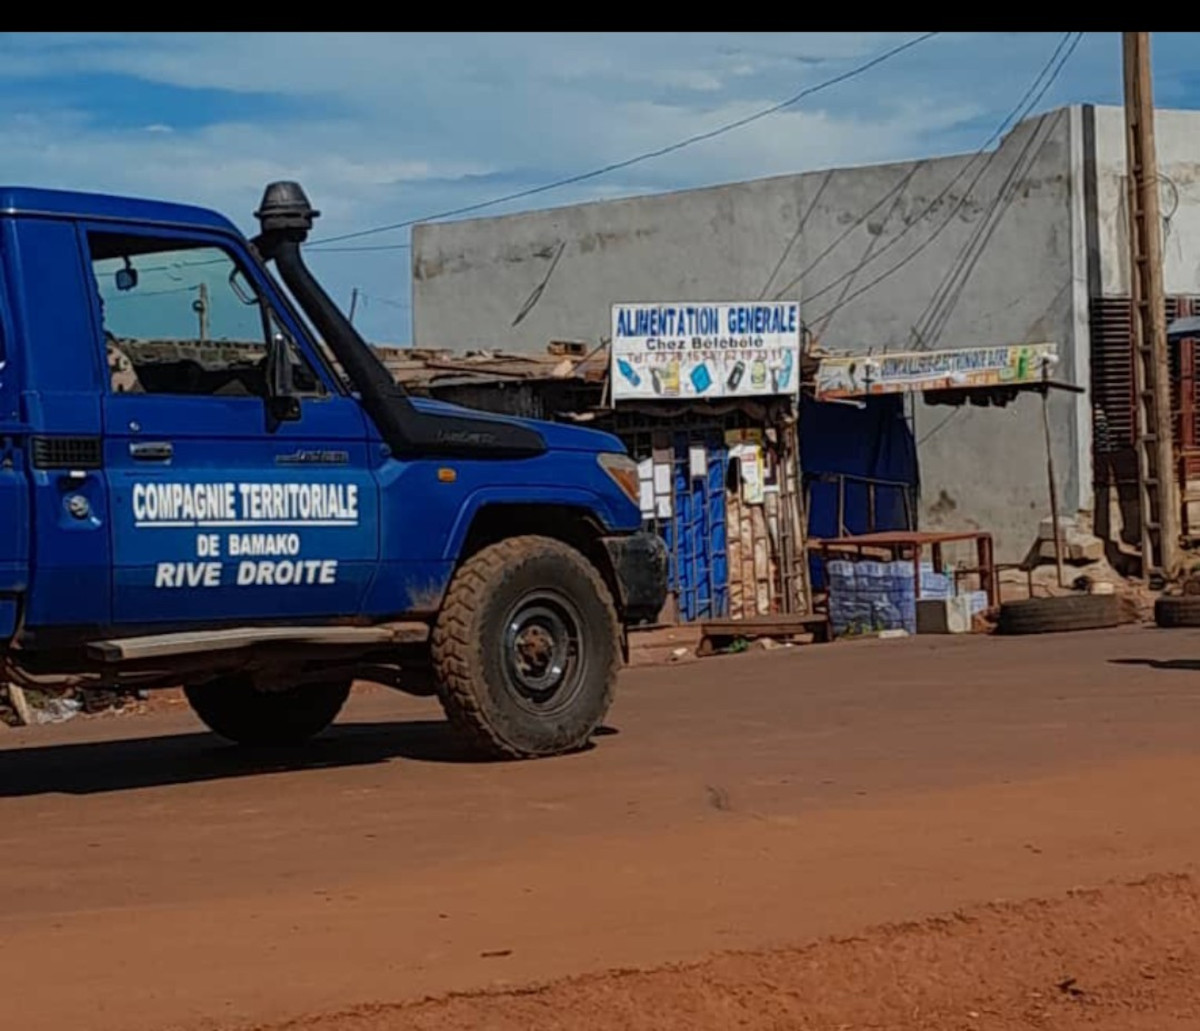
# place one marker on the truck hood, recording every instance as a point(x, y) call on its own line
point(558, 436)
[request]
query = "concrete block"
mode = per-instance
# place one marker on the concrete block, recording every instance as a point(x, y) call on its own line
point(1067, 526)
point(1078, 549)
point(944, 615)
point(1085, 548)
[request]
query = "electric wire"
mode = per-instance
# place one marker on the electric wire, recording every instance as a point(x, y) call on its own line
point(945, 223)
point(933, 320)
point(1028, 101)
point(617, 166)
point(891, 192)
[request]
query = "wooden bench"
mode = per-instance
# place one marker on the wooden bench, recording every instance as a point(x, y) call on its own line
point(716, 634)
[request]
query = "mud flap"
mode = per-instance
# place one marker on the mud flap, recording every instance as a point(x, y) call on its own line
point(639, 563)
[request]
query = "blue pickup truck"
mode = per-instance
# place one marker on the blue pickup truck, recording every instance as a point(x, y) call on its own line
point(208, 479)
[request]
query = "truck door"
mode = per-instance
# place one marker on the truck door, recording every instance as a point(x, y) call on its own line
point(14, 488)
point(224, 507)
point(58, 524)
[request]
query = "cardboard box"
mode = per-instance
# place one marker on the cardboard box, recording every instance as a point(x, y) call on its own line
point(944, 615)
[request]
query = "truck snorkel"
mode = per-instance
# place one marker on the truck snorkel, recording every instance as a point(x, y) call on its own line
point(286, 218)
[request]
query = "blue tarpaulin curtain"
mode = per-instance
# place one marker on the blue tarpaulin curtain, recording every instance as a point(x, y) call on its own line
point(874, 442)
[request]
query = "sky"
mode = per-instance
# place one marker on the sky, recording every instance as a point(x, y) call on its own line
point(383, 128)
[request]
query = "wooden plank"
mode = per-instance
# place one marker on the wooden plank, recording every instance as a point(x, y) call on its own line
point(158, 646)
point(777, 624)
point(16, 695)
point(716, 634)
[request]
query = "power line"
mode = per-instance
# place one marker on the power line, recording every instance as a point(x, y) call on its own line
point(402, 305)
point(939, 302)
point(796, 235)
point(933, 319)
point(369, 247)
point(937, 313)
point(871, 244)
point(176, 265)
point(616, 166)
point(939, 427)
point(938, 231)
point(899, 185)
point(1027, 104)
point(149, 293)
point(1024, 105)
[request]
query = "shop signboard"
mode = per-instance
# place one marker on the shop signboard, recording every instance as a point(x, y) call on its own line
point(690, 350)
point(861, 376)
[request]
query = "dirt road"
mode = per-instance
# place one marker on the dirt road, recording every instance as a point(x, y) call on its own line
point(154, 878)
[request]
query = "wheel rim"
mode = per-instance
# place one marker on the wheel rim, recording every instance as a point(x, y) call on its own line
point(544, 652)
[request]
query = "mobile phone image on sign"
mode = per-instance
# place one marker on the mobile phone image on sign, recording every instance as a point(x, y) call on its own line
point(670, 378)
point(701, 378)
point(629, 372)
point(735, 377)
point(785, 372)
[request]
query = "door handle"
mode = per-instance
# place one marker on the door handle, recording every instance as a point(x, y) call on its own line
point(159, 451)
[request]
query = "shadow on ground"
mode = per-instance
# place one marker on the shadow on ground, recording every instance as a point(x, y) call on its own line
point(99, 766)
point(1191, 665)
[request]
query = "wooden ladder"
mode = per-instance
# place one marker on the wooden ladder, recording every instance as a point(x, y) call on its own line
point(1150, 477)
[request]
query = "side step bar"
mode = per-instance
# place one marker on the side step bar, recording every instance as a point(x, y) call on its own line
point(162, 646)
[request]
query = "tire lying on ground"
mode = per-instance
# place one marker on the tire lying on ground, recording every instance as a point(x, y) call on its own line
point(1052, 615)
point(526, 649)
point(1177, 610)
point(231, 707)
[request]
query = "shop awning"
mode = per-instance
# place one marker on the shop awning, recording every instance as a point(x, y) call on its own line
point(981, 376)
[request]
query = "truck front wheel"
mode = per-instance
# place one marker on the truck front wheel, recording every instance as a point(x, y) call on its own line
point(232, 707)
point(526, 649)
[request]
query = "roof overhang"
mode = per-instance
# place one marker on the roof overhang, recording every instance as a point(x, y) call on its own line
point(980, 375)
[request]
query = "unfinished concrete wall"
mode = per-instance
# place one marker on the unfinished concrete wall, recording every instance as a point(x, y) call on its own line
point(1178, 144)
point(1004, 222)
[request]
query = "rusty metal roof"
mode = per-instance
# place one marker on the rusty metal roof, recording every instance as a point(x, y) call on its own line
point(424, 367)
point(410, 366)
point(415, 367)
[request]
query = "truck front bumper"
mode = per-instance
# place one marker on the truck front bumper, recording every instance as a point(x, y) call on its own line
point(639, 563)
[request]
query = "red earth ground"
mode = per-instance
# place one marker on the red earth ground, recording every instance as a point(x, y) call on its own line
point(929, 833)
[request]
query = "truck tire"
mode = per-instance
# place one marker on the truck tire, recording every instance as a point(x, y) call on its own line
point(231, 707)
point(1177, 610)
point(1052, 615)
point(526, 649)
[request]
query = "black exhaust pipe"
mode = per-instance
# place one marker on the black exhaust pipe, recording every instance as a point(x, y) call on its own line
point(286, 217)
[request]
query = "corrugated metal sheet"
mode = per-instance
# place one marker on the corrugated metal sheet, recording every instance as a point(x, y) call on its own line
point(1114, 404)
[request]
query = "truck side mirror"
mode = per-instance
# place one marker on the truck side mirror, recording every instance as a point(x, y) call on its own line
point(282, 403)
point(127, 277)
point(283, 408)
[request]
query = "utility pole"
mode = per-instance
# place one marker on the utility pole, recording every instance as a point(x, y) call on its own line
point(353, 304)
point(1058, 536)
point(200, 307)
point(1155, 444)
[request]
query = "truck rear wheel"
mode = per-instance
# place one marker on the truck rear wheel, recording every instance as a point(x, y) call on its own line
point(526, 649)
point(230, 706)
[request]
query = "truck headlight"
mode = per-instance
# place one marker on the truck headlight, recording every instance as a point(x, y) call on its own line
point(624, 473)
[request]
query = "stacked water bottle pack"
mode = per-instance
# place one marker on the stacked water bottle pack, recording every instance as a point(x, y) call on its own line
point(866, 597)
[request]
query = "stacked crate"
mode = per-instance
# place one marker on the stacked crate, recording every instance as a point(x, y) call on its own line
point(867, 597)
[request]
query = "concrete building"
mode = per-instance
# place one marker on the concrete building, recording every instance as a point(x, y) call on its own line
point(1025, 243)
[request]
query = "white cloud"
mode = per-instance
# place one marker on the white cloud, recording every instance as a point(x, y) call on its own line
point(381, 128)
